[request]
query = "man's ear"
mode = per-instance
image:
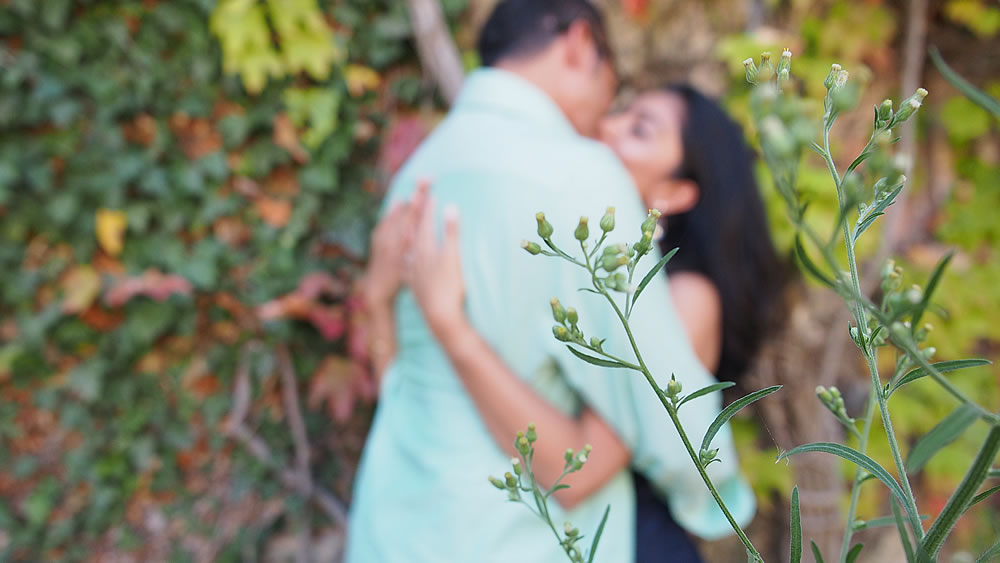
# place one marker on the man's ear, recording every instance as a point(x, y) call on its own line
point(581, 50)
point(672, 196)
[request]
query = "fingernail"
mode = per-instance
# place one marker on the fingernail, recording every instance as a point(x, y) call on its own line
point(451, 212)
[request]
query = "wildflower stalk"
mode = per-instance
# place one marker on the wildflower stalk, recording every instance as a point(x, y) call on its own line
point(671, 409)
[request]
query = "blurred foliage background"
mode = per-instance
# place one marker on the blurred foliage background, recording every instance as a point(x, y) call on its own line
point(186, 191)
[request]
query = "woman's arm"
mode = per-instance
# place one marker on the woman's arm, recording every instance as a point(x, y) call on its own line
point(699, 309)
point(505, 401)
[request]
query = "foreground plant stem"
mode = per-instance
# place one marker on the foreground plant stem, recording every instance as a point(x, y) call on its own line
point(859, 473)
point(861, 320)
point(672, 412)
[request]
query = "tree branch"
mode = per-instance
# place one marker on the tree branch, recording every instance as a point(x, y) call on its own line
point(437, 50)
point(235, 427)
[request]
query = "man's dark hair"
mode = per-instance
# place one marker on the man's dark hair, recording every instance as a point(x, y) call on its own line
point(519, 28)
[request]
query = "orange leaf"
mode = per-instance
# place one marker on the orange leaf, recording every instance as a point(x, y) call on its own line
point(285, 136)
point(274, 212)
point(80, 286)
point(111, 225)
point(340, 384)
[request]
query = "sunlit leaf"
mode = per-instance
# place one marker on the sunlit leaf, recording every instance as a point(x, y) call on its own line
point(111, 225)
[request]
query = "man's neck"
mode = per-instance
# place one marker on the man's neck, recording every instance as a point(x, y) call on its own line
point(540, 74)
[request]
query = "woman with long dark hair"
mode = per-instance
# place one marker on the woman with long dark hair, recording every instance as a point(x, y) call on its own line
point(688, 159)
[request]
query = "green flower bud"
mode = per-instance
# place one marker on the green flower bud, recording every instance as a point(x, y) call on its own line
point(514, 494)
point(832, 76)
point(885, 111)
point(531, 247)
point(572, 316)
point(588, 448)
point(785, 62)
point(776, 136)
point(914, 295)
point(674, 387)
point(751, 71)
point(928, 352)
point(497, 483)
point(531, 435)
point(511, 480)
point(910, 105)
point(621, 283)
point(824, 394)
point(570, 530)
point(899, 331)
point(650, 223)
point(612, 262)
point(516, 463)
point(582, 230)
point(706, 455)
point(889, 269)
point(766, 71)
point(544, 227)
point(608, 221)
point(561, 334)
point(523, 446)
point(558, 313)
point(596, 343)
point(568, 456)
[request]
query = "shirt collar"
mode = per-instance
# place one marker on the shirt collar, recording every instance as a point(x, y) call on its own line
point(501, 91)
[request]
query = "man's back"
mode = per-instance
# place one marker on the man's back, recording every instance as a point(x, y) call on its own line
point(503, 154)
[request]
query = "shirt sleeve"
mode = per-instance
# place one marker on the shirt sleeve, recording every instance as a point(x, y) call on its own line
point(624, 398)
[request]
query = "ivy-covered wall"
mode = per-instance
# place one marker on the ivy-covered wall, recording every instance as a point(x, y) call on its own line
point(186, 189)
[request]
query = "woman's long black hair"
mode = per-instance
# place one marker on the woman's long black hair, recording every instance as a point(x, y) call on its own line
point(725, 236)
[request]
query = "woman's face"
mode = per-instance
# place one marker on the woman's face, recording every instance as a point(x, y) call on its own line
point(646, 136)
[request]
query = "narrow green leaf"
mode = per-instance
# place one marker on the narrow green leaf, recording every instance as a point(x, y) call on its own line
point(731, 410)
point(983, 496)
point(858, 458)
point(990, 553)
point(942, 367)
point(652, 274)
point(980, 98)
point(863, 226)
point(596, 361)
point(807, 263)
point(879, 522)
point(816, 554)
point(853, 554)
point(932, 284)
point(706, 390)
point(962, 496)
point(944, 433)
point(597, 536)
point(796, 529)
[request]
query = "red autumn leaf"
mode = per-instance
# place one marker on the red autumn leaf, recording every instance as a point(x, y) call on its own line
point(329, 321)
point(402, 138)
point(152, 283)
point(635, 8)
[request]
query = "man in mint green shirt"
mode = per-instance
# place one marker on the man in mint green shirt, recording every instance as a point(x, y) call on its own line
point(511, 147)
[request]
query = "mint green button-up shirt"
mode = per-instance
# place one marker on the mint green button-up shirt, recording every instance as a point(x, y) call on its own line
point(504, 153)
